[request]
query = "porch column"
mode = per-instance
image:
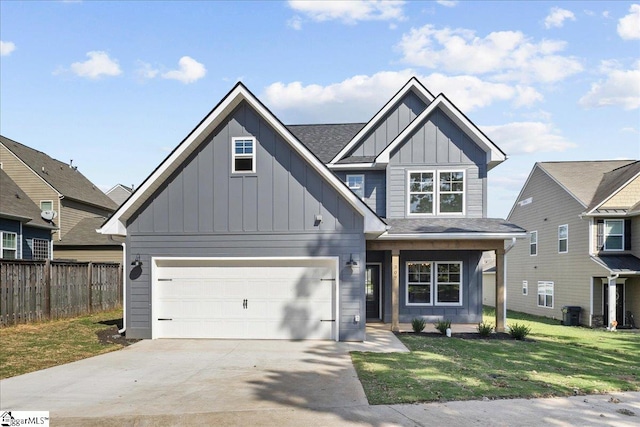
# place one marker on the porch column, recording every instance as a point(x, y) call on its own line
point(395, 290)
point(612, 302)
point(500, 307)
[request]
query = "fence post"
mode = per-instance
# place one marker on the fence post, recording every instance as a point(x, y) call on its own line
point(90, 278)
point(47, 288)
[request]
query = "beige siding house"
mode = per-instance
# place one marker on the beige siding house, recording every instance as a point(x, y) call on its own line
point(80, 207)
point(583, 221)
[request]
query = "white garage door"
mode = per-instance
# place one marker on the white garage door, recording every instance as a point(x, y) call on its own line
point(248, 299)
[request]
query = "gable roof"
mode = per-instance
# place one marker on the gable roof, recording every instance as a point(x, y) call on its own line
point(84, 234)
point(612, 182)
point(116, 223)
point(119, 193)
point(451, 228)
point(495, 155)
point(412, 85)
point(15, 204)
point(325, 141)
point(64, 178)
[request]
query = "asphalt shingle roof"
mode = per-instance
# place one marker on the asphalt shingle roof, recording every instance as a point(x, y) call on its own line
point(66, 180)
point(619, 263)
point(15, 203)
point(451, 225)
point(84, 234)
point(612, 181)
point(325, 141)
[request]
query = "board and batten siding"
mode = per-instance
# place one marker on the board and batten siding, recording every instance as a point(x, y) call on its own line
point(394, 122)
point(438, 145)
point(203, 210)
point(571, 272)
point(375, 188)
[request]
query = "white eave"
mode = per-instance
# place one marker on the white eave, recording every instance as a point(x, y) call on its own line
point(452, 236)
point(116, 223)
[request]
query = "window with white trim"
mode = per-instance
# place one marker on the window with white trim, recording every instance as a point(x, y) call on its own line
point(563, 239)
point(448, 283)
point(46, 205)
point(9, 245)
point(451, 192)
point(545, 294)
point(525, 287)
point(533, 243)
point(418, 283)
point(39, 249)
point(356, 184)
point(421, 192)
point(613, 234)
point(243, 154)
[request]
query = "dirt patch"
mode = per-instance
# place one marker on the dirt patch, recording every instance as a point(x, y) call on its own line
point(466, 335)
point(111, 335)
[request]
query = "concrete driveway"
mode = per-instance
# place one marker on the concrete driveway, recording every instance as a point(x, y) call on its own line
point(265, 383)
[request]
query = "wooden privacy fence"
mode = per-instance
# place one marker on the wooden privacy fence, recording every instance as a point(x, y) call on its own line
point(40, 290)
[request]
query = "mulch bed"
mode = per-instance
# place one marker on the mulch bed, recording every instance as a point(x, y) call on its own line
point(110, 335)
point(465, 335)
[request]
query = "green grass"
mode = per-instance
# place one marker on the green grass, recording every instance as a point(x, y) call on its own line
point(31, 347)
point(554, 361)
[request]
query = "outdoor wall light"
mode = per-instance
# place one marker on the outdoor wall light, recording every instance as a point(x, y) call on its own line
point(351, 262)
point(137, 262)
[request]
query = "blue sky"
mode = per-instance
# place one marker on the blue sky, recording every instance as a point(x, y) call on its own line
point(116, 85)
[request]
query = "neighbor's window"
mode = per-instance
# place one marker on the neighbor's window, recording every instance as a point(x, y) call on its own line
point(40, 249)
point(563, 238)
point(448, 283)
point(421, 192)
point(243, 154)
point(46, 205)
point(418, 283)
point(613, 234)
point(545, 294)
point(9, 248)
point(525, 287)
point(533, 243)
point(356, 184)
point(451, 192)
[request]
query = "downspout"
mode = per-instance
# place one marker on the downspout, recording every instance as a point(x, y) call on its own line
point(60, 197)
point(504, 276)
point(124, 289)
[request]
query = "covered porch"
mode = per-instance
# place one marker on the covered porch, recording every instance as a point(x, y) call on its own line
point(622, 286)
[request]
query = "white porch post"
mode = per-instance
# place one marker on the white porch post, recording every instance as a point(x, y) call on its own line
point(612, 302)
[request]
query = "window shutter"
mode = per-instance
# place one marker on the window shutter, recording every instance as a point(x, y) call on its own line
point(627, 234)
point(600, 242)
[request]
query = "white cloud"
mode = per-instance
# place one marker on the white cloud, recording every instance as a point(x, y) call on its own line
point(629, 26)
point(447, 3)
point(507, 55)
point(295, 23)
point(6, 48)
point(619, 88)
point(527, 137)
point(629, 129)
point(349, 12)
point(189, 71)
point(557, 16)
point(99, 64)
point(146, 71)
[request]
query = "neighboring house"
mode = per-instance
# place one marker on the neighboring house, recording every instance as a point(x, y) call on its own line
point(59, 187)
point(119, 193)
point(488, 279)
point(24, 234)
point(252, 229)
point(583, 220)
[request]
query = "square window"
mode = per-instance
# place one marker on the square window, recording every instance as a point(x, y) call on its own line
point(243, 155)
point(356, 184)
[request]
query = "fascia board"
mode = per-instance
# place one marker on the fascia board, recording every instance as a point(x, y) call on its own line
point(614, 193)
point(413, 83)
point(453, 236)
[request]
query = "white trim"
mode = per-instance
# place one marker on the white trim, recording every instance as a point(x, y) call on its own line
point(436, 186)
point(452, 236)
point(433, 302)
point(591, 302)
point(21, 239)
point(252, 156)
point(566, 238)
point(495, 156)
point(408, 193)
point(537, 242)
point(546, 284)
point(412, 84)
point(352, 166)
point(334, 261)
point(406, 285)
point(604, 235)
point(362, 176)
point(380, 287)
point(18, 253)
point(116, 223)
point(461, 283)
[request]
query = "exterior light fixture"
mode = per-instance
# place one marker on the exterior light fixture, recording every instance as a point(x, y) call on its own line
point(351, 262)
point(137, 262)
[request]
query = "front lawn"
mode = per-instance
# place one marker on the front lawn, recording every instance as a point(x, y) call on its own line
point(555, 361)
point(31, 347)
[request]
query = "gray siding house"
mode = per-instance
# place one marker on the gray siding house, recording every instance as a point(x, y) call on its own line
point(583, 220)
point(254, 229)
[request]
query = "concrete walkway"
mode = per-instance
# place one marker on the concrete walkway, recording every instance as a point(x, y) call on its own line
point(267, 383)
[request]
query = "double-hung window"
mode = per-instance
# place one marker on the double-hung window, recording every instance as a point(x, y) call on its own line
point(448, 283)
point(613, 234)
point(451, 192)
point(525, 287)
point(432, 192)
point(563, 239)
point(418, 283)
point(243, 157)
point(9, 247)
point(421, 192)
point(533, 243)
point(434, 283)
point(356, 184)
point(545, 294)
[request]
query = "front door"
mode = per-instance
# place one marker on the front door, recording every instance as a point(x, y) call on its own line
point(619, 304)
point(372, 291)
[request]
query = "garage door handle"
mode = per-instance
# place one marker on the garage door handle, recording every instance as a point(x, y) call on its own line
point(162, 318)
point(327, 320)
point(245, 303)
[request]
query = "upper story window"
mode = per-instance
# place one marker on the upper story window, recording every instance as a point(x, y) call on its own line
point(46, 205)
point(563, 238)
point(356, 184)
point(451, 196)
point(533, 243)
point(613, 234)
point(243, 157)
point(421, 192)
point(9, 245)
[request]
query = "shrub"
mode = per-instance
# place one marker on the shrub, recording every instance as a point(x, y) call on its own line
point(442, 326)
point(418, 324)
point(485, 329)
point(518, 331)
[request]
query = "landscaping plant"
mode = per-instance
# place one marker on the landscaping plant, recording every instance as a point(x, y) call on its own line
point(519, 331)
point(485, 328)
point(442, 326)
point(418, 324)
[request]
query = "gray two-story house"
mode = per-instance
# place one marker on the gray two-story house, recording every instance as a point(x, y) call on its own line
point(254, 229)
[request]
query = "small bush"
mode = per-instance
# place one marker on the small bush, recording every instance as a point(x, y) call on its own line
point(518, 331)
point(485, 329)
point(418, 324)
point(442, 326)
